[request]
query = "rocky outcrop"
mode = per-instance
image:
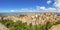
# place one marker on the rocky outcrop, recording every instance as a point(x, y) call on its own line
point(2, 27)
point(55, 27)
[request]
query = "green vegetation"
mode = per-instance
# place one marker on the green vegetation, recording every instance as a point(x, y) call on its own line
point(23, 26)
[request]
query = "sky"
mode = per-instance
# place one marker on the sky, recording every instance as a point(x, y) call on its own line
point(29, 6)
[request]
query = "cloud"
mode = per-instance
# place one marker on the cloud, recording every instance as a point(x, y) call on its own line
point(49, 1)
point(56, 8)
point(44, 9)
point(51, 8)
point(12, 11)
point(28, 10)
point(57, 4)
point(25, 10)
point(38, 9)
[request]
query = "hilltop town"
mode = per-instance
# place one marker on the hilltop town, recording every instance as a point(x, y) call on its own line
point(41, 18)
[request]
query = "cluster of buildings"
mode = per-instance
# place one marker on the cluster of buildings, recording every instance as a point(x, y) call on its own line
point(41, 18)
